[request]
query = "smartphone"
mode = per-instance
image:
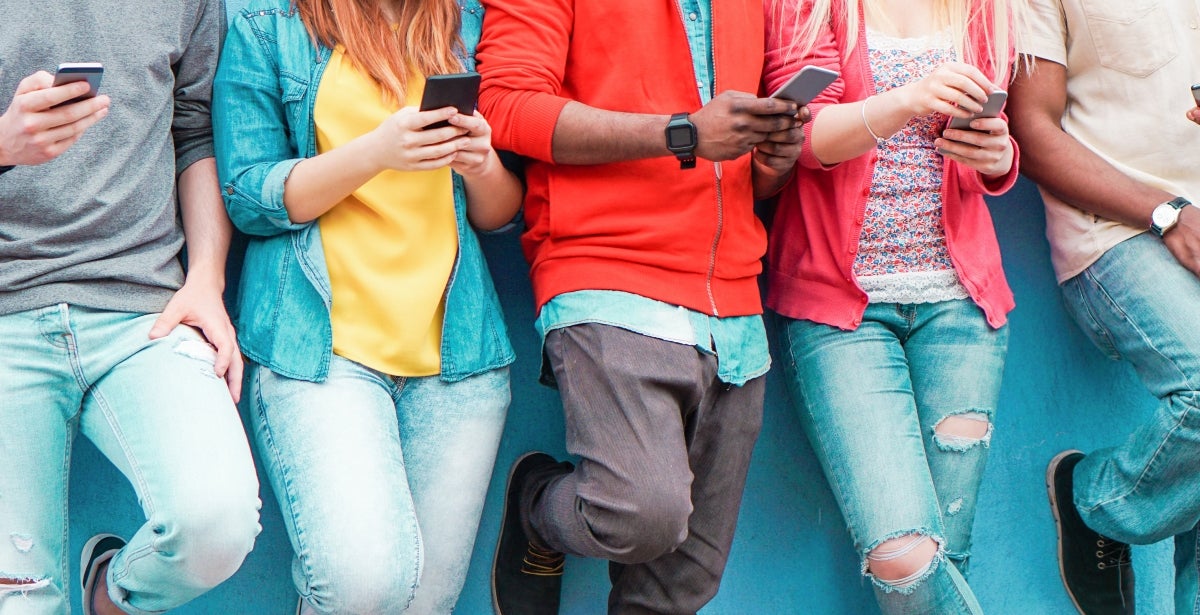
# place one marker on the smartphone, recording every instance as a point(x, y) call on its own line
point(70, 72)
point(1196, 93)
point(804, 86)
point(991, 108)
point(460, 90)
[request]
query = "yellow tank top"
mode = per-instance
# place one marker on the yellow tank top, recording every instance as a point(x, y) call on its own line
point(390, 246)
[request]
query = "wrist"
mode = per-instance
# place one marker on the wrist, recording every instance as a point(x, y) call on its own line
point(207, 278)
point(1166, 215)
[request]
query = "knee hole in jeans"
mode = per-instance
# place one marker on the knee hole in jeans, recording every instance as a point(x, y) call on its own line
point(962, 431)
point(20, 586)
point(902, 562)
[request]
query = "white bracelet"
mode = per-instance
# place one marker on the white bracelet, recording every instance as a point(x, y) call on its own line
point(867, 125)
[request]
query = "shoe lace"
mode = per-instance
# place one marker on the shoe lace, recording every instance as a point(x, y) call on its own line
point(543, 562)
point(1112, 553)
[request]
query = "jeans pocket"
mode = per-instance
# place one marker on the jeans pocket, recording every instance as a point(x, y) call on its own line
point(1131, 36)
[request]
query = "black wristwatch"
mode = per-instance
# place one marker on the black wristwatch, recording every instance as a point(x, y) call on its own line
point(681, 140)
point(1166, 215)
point(6, 169)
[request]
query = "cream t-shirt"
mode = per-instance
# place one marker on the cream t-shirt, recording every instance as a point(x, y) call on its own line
point(1130, 65)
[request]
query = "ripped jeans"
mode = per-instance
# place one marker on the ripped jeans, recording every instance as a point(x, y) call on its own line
point(160, 414)
point(873, 402)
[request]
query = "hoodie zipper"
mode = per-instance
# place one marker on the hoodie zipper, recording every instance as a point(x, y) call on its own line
point(712, 256)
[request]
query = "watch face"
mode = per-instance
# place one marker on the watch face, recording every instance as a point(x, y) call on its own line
point(1164, 215)
point(679, 136)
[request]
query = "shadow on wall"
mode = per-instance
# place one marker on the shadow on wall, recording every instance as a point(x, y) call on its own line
point(791, 554)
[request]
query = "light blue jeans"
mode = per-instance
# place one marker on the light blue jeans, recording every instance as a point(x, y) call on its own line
point(381, 481)
point(158, 411)
point(1138, 303)
point(870, 401)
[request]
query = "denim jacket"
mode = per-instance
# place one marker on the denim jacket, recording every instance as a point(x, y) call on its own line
point(264, 94)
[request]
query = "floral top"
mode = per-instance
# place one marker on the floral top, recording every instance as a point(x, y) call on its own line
point(902, 255)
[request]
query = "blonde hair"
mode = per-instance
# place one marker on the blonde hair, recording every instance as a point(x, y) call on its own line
point(993, 20)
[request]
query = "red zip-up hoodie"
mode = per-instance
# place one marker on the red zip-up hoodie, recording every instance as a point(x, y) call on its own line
point(685, 237)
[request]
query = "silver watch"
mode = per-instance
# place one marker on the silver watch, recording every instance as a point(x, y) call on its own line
point(1166, 216)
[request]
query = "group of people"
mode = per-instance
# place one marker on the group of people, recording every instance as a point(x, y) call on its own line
point(633, 137)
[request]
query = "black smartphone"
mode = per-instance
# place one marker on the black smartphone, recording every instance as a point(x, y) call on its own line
point(804, 86)
point(991, 108)
point(70, 72)
point(460, 90)
point(1196, 93)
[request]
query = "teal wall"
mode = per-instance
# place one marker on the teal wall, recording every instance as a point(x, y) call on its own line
point(791, 554)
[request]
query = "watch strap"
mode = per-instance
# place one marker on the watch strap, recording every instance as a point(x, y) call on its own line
point(687, 158)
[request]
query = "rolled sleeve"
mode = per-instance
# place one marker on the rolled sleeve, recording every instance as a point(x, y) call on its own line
point(191, 126)
point(255, 155)
point(522, 57)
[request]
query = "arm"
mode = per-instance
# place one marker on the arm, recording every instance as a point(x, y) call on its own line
point(251, 131)
point(1075, 174)
point(199, 303)
point(493, 192)
point(32, 132)
point(522, 58)
point(953, 89)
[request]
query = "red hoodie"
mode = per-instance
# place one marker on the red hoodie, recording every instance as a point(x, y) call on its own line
point(685, 237)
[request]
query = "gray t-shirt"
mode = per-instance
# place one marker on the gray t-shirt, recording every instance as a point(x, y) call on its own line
point(99, 226)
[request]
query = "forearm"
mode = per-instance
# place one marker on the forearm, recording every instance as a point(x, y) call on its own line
point(493, 196)
point(767, 181)
point(587, 135)
point(317, 184)
point(840, 132)
point(1072, 172)
point(206, 227)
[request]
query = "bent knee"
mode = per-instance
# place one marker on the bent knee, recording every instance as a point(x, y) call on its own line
point(364, 588)
point(903, 562)
point(209, 541)
point(649, 526)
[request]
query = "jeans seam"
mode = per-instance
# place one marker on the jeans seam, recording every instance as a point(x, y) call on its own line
point(285, 482)
point(135, 468)
point(1109, 346)
point(833, 479)
point(1146, 340)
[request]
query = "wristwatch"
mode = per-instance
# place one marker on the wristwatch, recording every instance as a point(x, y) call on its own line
point(6, 169)
point(1166, 216)
point(681, 140)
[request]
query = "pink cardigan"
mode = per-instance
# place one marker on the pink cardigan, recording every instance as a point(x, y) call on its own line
point(815, 235)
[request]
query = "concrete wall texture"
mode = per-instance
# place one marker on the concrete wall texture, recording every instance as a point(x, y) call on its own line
point(791, 554)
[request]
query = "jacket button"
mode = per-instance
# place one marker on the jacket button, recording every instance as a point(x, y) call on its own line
point(229, 189)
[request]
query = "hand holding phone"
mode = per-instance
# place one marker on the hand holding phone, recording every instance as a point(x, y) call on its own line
point(991, 108)
point(32, 132)
point(70, 72)
point(460, 90)
point(806, 84)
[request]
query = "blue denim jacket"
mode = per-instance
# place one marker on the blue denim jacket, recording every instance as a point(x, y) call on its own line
point(264, 94)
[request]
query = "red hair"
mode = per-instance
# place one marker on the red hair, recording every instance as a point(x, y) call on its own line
point(424, 39)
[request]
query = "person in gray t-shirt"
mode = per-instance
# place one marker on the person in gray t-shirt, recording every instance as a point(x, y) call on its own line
point(105, 328)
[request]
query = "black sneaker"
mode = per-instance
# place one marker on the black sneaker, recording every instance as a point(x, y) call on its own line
point(526, 578)
point(97, 551)
point(1096, 570)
